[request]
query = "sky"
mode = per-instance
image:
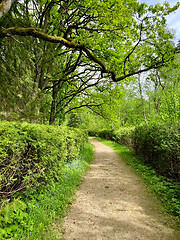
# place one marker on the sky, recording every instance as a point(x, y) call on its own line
point(173, 20)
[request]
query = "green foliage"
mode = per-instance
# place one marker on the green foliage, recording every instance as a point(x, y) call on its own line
point(106, 134)
point(147, 99)
point(33, 154)
point(35, 213)
point(13, 219)
point(87, 120)
point(166, 190)
point(114, 32)
point(164, 103)
point(157, 144)
point(74, 120)
point(86, 152)
point(124, 136)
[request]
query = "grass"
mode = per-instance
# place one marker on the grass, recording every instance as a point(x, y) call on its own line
point(37, 213)
point(164, 189)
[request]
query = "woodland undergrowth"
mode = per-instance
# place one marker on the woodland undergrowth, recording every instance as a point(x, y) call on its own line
point(34, 212)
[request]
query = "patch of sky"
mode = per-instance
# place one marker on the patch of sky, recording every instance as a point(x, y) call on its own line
point(173, 20)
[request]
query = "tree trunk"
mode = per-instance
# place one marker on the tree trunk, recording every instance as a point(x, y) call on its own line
point(142, 99)
point(156, 100)
point(5, 6)
point(53, 112)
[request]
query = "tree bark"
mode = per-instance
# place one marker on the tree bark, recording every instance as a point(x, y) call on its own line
point(69, 43)
point(5, 6)
point(53, 112)
point(142, 99)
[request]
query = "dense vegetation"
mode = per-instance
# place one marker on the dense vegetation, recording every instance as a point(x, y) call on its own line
point(41, 166)
point(157, 144)
point(112, 70)
point(33, 154)
point(59, 56)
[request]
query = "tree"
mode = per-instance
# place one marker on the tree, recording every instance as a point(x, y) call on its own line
point(142, 25)
point(5, 6)
point(164, 93)
point(118, 39)
point(142, 98)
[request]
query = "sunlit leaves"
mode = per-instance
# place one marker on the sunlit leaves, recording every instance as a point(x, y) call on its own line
point(126, 36)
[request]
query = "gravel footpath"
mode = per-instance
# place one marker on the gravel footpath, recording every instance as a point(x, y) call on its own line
point(113, 203)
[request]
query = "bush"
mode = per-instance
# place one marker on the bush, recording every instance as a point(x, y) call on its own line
point(157, 144)
point(35, 213)
point(105, 133)
point(33, 154)
point(12, 216)
point(124, 136)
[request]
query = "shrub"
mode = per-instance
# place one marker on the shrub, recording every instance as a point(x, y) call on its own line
point(33, 154)
point(124, 136)
point(13, 219)
point(105, 133)
point(35, 213)
point(157, 144)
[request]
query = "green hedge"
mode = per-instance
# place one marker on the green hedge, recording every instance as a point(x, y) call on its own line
point(33, 154)
point(35, 213)
point(106, 134)
point(124, 136)
point(157, 144)
point(121, 136)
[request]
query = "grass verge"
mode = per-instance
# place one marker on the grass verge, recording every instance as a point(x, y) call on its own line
point(167, 191)
point(34, 215)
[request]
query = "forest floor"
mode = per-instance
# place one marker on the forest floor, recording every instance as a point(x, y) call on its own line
point(114, 203)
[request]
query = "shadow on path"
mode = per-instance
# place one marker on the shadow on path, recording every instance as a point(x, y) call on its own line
point(112, 203)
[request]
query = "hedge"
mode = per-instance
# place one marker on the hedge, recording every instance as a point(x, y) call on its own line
point(157, 144)
point(33, 154)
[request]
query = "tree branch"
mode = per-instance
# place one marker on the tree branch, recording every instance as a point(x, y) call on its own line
point(83, 105)
point(139, 40)
point(71, 44)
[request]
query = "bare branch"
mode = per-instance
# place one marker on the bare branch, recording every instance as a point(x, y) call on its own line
point(139, 40)
point(83, 105)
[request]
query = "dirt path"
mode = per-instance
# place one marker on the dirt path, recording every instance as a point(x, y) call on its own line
point(112, 203)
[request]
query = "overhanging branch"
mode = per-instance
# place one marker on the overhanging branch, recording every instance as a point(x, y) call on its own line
point(83, 105)
point(71, 44)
